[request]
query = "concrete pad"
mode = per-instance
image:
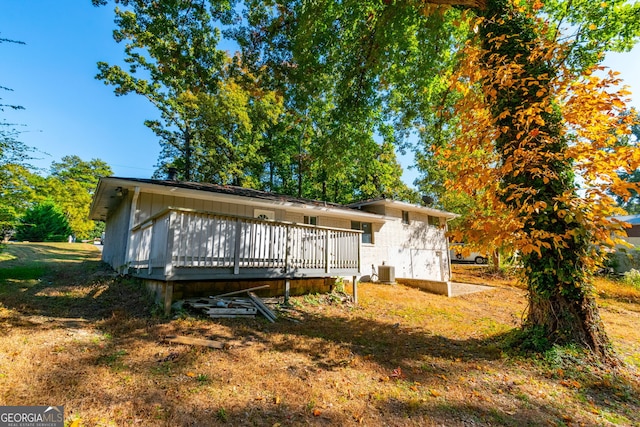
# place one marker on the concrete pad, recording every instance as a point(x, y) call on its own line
point(458, 289)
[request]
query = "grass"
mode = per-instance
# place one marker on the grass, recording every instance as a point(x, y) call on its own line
point(77, 335)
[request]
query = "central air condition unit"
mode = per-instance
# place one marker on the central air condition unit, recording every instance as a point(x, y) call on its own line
point(387, 274)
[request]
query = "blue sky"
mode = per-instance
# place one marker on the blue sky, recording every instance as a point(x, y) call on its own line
point(67, 111)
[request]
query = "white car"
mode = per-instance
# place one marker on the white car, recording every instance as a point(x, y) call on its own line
point(476, 257)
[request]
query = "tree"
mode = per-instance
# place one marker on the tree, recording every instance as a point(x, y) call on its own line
point(531, 122)
point(16, 178)
point(233, 123)
point(539, 114)
point(326, 144)
point(172, 56)
point(86, 174)
point(18, 191)
point(43, 222)
point(70, 185)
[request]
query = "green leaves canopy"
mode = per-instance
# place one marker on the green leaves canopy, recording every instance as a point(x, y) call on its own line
point(170, 49)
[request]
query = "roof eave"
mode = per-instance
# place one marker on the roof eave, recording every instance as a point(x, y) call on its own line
point(164, 188)
point(408, 206)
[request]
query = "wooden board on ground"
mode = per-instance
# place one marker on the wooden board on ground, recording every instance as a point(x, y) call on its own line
point(223, 306)
point(239, 310)
point(241, 291)
point(179, 339)
point(266, 312)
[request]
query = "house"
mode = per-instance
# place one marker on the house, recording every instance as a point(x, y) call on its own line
point(625, 258)
point(186, 238)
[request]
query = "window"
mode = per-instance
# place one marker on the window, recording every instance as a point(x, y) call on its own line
point(405, 217)
point(367, 230)
point(434, 221)
point(311, 220)
point(263, 214)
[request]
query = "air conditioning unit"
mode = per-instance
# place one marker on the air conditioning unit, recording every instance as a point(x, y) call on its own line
point(386, 274)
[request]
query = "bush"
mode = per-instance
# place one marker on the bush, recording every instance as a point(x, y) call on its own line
point(632, 278)
point(43, 222)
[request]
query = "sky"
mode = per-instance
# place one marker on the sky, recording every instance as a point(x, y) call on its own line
point(69, 112)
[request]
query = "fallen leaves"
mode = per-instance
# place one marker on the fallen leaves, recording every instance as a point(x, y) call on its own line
point(435, 393)
point(571, 383)
point(397, 373)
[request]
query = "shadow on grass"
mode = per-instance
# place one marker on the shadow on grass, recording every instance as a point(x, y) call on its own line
point(83, 289)
point(87, 290)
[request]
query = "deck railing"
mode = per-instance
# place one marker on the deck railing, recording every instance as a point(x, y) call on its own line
point(182, 238)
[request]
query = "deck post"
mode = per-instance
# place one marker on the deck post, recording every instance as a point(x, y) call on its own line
point(287, 290)
point(132, 217)
point(355, 290)
point(168, 256)
point(168, 297)
point(151, 243)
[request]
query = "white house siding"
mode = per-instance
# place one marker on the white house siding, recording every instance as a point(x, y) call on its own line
point(635, 241)
point(116, 233)
point(294, 217)
point(150, 204)
point(416, 250)
point(323, 221)
point(334, 222)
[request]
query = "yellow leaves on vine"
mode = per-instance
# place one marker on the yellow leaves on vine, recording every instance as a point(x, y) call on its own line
point(591, 107)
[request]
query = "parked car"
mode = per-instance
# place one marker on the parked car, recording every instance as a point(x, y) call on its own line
point(473, 257)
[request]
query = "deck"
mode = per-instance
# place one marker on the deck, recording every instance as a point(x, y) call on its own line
point(183, 244)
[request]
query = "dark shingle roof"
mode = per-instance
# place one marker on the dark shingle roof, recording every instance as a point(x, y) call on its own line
point(235, 191)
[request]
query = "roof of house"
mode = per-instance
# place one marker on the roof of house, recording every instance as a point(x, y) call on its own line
point(631, 219)
point(105, 198)
point(403, 206)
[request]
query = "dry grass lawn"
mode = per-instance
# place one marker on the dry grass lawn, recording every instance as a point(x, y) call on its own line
point(74, 334)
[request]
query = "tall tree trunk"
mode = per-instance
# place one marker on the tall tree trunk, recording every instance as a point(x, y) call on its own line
point(187, 152)
point(562, 307)
point(495, 260)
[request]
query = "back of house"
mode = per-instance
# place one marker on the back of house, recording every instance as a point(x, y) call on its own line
point(175, 231)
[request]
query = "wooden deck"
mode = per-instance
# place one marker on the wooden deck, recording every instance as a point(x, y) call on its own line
point(183, 244)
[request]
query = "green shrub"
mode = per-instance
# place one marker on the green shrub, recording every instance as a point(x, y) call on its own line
point(632, 278)
point(44, 222)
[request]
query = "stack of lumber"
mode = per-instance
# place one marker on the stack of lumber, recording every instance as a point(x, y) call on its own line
point(225, 305)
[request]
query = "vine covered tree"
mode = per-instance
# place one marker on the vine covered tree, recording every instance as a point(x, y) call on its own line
point(531, 121)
